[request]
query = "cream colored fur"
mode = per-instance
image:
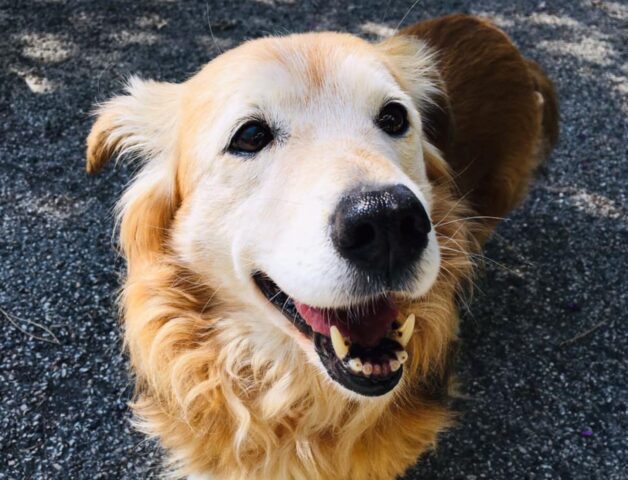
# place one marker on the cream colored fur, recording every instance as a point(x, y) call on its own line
point(223, 379)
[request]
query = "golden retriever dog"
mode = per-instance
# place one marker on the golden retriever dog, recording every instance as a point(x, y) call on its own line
point(305, 216)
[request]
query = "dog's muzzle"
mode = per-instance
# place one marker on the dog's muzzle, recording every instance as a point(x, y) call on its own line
point(380, 232)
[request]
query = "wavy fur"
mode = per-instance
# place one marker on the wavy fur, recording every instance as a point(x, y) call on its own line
point(239, 399)
point(217, 401)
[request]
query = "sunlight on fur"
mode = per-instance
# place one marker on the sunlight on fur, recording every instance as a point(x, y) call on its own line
point(230, 387)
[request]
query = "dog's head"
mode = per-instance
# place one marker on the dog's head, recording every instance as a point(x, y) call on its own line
point(290, 175)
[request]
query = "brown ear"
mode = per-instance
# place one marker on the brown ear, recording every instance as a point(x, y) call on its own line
point(438, 126)
point(415, 67)
point(143, 123)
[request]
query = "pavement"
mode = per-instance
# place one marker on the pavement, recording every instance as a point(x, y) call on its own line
point(543, 364)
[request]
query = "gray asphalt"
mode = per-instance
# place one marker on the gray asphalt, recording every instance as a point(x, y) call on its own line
point(543, 363)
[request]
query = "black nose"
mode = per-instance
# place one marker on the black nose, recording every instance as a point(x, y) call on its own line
point(380, 230)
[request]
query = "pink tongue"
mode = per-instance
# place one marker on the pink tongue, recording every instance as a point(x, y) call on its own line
point(365, 325)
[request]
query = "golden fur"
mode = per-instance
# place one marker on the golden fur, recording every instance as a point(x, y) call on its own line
point(218, 401)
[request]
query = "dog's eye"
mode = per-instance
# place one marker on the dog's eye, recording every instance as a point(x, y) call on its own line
point(393, 119)
point(251, 137)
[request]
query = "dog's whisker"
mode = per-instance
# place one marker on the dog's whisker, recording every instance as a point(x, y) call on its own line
point(453, 208)
point(211, 32)
point(406, 15)
point(483, 258)
point(465, 219)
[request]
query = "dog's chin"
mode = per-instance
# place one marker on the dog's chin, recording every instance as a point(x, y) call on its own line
point(362, 347)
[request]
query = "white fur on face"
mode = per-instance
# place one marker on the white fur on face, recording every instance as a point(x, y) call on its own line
point(271, 212)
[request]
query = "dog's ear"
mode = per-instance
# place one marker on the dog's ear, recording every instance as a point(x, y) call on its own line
point(415, 66)
point(143, 124)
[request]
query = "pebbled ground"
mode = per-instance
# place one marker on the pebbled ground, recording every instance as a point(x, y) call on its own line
point(543, 364)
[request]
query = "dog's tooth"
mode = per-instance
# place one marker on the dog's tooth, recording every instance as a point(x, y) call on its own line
point(377, 369)
point(367, 368)
point(355, 364)
point(402, 356)
point(394, 365)
point(341, 346)
point(406, 330)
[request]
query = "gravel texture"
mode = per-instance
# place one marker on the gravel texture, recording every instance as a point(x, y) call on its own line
point(543, 363)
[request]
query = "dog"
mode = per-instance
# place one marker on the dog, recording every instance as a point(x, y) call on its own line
point(306, 213)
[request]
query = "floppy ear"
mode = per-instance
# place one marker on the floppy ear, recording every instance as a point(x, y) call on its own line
point(143, 123)
point(415, 67)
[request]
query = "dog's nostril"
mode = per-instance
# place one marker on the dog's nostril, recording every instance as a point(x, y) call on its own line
point(363, 234)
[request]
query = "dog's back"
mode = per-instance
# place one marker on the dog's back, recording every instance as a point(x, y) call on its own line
point(499, 118)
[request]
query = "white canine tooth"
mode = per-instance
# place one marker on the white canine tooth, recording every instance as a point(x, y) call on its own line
point(394, 365)
point(402, 356)
point(406, 330)
point(355, 364)
point(341, 347)
point(367, 369)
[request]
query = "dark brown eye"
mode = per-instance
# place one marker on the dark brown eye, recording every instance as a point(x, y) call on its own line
point(393, 119)
point(251, 137)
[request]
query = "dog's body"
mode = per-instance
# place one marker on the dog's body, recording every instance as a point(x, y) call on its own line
point(227, 383)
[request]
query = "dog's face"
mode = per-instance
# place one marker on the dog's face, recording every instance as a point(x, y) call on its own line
point(304, 199)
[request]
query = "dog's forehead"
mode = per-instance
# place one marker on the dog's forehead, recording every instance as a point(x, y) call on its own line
point(299, 70)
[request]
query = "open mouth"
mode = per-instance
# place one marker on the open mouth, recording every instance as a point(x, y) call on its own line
point(362, 347)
